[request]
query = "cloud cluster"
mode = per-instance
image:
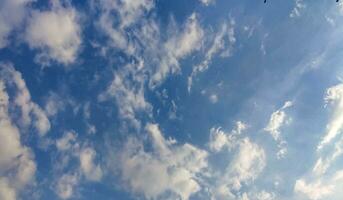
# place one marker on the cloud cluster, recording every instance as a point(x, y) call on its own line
point(31, 113)
point(14, 156)
point(55, 33)
point(324, 180)
point(154, 56)
point(13, 13)
point(247, 162)
point(167, 168)
point(70, 149)
point(277, 120)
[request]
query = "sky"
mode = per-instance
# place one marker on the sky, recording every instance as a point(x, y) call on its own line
point(168, 100)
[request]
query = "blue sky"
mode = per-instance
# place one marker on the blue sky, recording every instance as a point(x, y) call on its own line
point(196, 99)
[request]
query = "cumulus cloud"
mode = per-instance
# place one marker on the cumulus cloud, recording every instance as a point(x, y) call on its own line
point(262, 195)
point(66, 184)
point(14, 156)
point(89, 168)
point(55, 33)
point(319, 186)
point(245, 167)
point(278, 119)
point(129, 12)
point(67, 141)
point(54, 104)
point(168, 169)
point(12, 14)
point(73, 150)
point(31, 113)
point(219, 139)
point(313, 191)
point(248, 161)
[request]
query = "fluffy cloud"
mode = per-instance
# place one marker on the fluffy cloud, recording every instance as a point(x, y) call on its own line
point(89, 168)
point(246, 165)
point(262, 195)
point(313, 191)
point(12, 14)
point(71, 150)
point(31, 113)
point(169, 167)
point(219, 139)
point(66, 184)
point(277, 120)
point(129, 12)
point(54, 104)
point(14, 156)
point(56, 33)
point(67, 141)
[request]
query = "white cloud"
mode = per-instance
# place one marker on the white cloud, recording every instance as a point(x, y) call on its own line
point(247, 162)
point(6, 191)
point(129, 13)
point(219, 139)
point(245, 167)
point(313, 191)
point(262, 195)
point(14, 156)
point(325, 179)
point(334, 96)
point(299, 5)
point(214, 98)
point(278, 119)
point(207, 2)
point(155, 56)
point(89, 168)
point(22, 99)
point(66, 184)
point(54, 104)
point(66, 142)
point(178, 46)
point(326, 160)
point(12, 14)
point(71, 150)
point(56, 33)
point(129, 96)
point(222, 43)
point(168, 168)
